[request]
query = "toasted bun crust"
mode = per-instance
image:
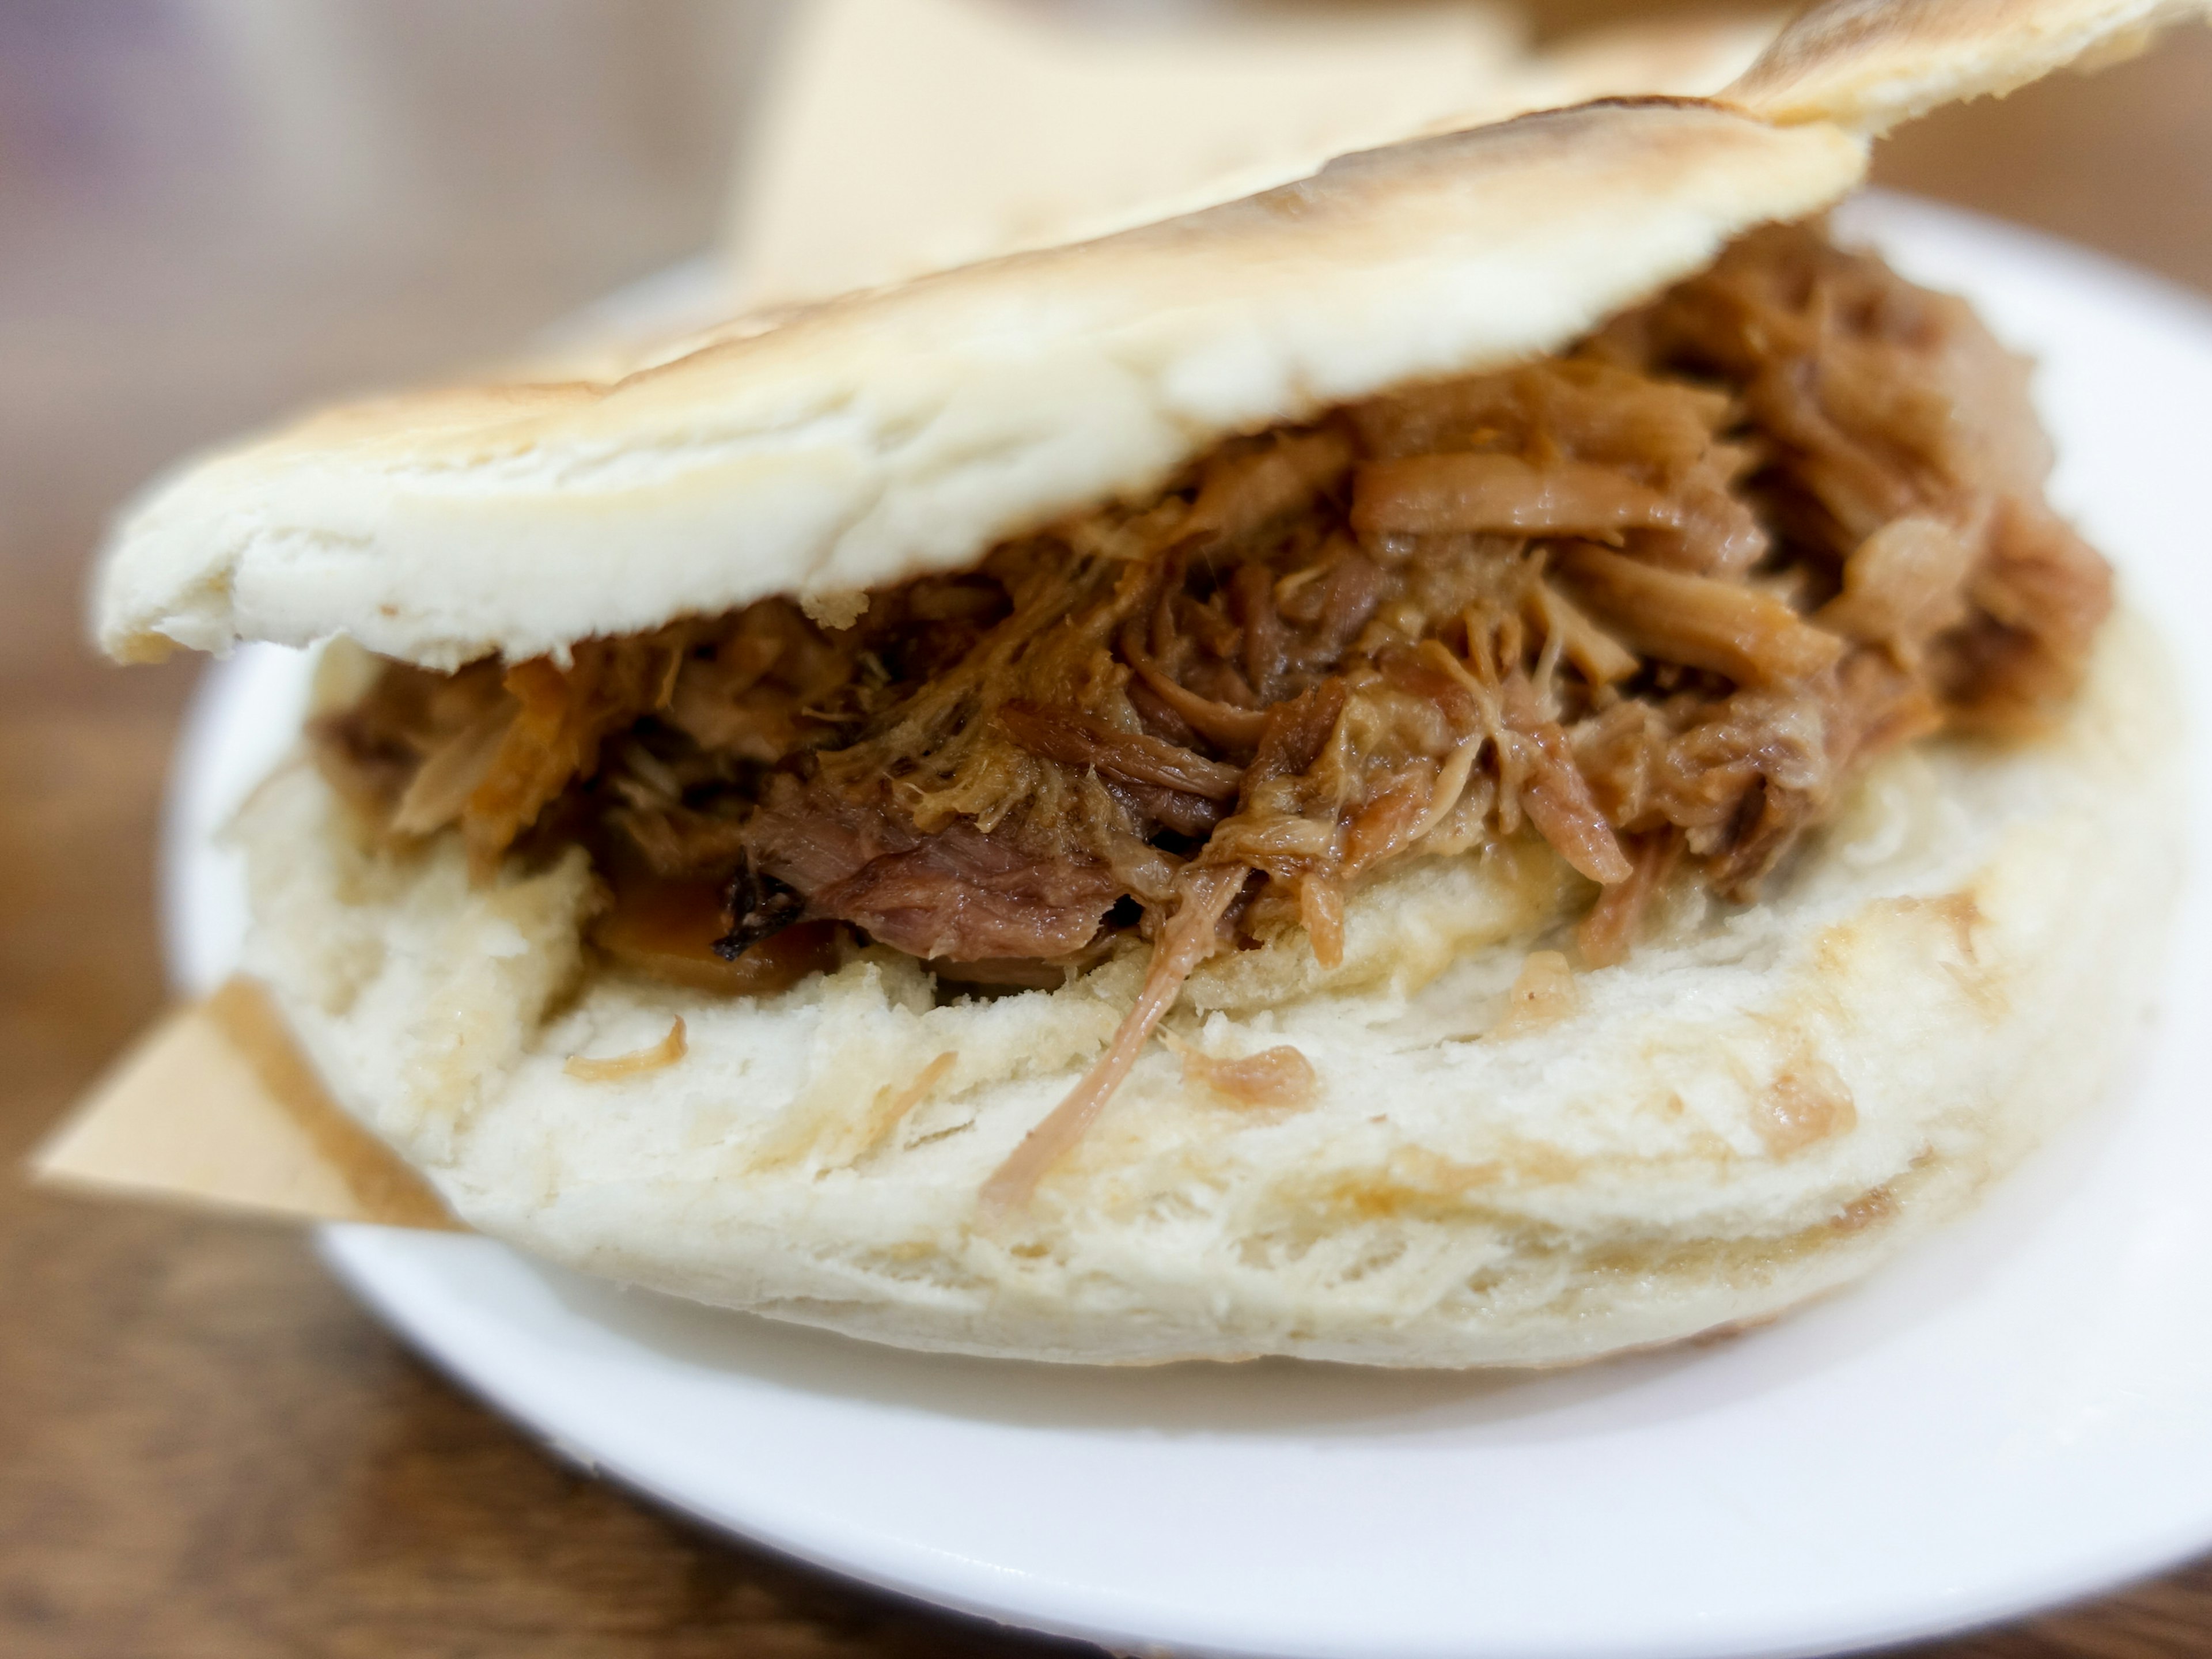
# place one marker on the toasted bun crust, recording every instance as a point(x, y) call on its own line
point(1753, 1109)
point(1869, 64)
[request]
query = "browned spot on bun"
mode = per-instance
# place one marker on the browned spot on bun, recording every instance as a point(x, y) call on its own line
point(1961, 914)
point(1415, 1181)
point(1869, 1209)
point(1806, 1104)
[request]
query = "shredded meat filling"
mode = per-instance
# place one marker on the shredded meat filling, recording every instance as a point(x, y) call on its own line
point(1654, 600)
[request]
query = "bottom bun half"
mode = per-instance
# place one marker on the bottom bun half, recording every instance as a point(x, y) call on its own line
point(1759, 1105)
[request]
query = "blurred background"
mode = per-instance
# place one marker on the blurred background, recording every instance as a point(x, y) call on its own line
point(214, 210)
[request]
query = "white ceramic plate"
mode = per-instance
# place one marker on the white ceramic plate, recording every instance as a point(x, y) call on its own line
point(2020, 1412)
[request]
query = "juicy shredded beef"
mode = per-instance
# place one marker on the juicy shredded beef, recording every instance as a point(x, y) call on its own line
point(1654, 600)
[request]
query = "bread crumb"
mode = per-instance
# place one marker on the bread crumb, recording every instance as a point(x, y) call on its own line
point(835, 609)
point(1280, 1076)
point(1543, 993)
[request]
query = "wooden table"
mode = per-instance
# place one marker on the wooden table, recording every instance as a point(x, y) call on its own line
point(205, 1449)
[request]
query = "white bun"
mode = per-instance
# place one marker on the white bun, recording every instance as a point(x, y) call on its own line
point(1751, 1110)
point(905, 430)
point(902, 430)
point(1869, 64)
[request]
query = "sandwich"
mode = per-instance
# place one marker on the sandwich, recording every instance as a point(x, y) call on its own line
point(1488, 758)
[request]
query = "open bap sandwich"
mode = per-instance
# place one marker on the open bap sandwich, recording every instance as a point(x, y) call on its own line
point(1487, 758)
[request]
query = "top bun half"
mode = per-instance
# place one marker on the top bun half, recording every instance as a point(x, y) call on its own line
point(899, 431)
